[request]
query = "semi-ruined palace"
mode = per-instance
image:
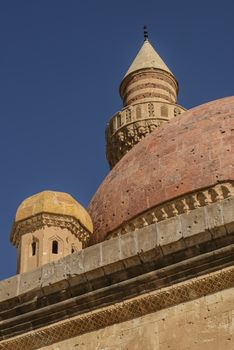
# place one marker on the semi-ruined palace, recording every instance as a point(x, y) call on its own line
point(149, 264)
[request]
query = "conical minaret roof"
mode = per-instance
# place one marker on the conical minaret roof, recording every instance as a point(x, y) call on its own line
point(147, 57)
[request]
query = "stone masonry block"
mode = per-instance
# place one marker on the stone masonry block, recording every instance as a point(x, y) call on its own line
point(194, 227)
point(9, 288)
point(54, 277)
point(74, 263)
point(94, 274)
point(30, 281)
point(128, 247)
point(111, 256)
point(214, 219)
point(173, 247)
point(92, 257)
point(228, 214)
point(168, 231)
point(111, 251)
point(146, 238)
point(48, 272)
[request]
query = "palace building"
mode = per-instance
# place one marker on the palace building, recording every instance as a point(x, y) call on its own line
point(150, 263)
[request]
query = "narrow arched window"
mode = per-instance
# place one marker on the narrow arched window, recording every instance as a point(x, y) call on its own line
point(34, 247)
point(55, 247)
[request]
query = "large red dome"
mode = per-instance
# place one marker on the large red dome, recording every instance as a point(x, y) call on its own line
point(191, 152)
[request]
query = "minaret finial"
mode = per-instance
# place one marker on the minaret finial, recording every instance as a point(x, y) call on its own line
point(145, 33)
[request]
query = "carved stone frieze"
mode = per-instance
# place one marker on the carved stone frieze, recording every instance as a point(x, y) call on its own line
point(123, 311)
point(133, 124)
point(181, 205)
point(45, 220)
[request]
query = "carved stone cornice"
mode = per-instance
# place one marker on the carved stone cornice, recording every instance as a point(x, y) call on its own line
point(39, 221)
point(133, 123)
point(123, 311)
point(180, 205)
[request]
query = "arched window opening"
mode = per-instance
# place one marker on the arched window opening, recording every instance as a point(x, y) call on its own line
point(55, 247)
point(34, 248)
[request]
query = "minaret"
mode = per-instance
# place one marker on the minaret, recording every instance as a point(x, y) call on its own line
point(149, 92)
point(47, 227)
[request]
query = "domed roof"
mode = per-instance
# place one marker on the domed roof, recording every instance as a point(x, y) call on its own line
point(191, 152)
point(54, 203)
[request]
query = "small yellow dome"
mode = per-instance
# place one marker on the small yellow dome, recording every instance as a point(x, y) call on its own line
point(54, 203)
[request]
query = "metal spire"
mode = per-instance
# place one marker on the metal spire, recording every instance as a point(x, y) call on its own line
point(145, 33)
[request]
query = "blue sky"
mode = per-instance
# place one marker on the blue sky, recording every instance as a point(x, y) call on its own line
point(61, 64)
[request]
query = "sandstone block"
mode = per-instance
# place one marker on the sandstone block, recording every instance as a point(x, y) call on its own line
point(194, 227)
point(111, 251)
point(9, 288)
point(228, 214)
point(30, 281)
point(214, 219)
point(92, 257)
point(169, 231)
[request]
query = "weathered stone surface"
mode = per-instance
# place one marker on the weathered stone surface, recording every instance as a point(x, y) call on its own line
point(92, 258)
point(169, 236)
point(9, 288)
point(31, 280)
point(111, 251)
point(169, 231)
point(215, 219)
point(184, 156)
point(153, 257)
point(194, 227)
point(146, 239)
point(228, 212)
point(202, 324)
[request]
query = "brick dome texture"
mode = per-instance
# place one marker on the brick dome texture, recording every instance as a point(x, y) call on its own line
point(191, 152)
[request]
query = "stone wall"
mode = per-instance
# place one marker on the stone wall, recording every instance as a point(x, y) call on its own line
point(175, 261)
point(206, 323)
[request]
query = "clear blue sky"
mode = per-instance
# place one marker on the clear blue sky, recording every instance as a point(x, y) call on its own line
point(61, 63)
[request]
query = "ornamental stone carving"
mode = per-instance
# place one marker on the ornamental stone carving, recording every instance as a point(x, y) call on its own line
point(149, 92)
point(180, 205)
point(47, 237)
point(147, 303)
point(131, 125)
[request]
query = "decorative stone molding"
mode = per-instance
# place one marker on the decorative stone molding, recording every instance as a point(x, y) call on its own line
point(181, 205)
point(148, 80)
point(133, 123)
point(123, 311)
point(152, 85)
point(47, 219)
